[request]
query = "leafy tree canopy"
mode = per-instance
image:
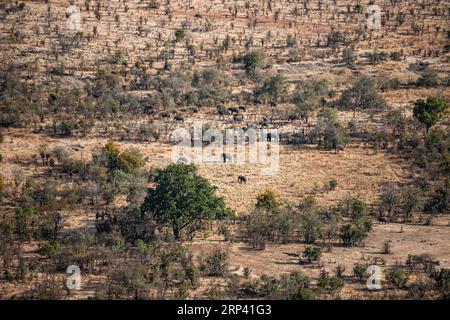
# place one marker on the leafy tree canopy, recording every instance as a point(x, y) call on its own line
point(429, 112)
point(182, 197)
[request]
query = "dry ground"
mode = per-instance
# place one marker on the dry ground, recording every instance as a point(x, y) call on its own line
point(358, 171)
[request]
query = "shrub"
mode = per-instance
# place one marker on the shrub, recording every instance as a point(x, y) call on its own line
point(258, 228)
point(310, 95)
point(118, 57)
point(353, 207)
point(389, 200)
point(364, 223)
point(252, 60)
point(332, 134)
point(224, 231)
point(419, 289)
point(387, 247)
point(48, 289)
point(442, 280)
point(331, 185)
point(348, 56)
point(113, 158)
point(352, 235)
point(127, 281)
point(360, 271)
point(411, 199)
point(428, 79)
point(397, 276)
point(153, 4)
point(312, 254)
point(24, 217)
point(426, 261)
point(439, 201)
point(293, 286)
point(268, 200)
point(48, 249)
point(310, 225)
point(363, 95)
point(331, 284)
point(291, 41)
point(273, 87)
point(179, 34)
point(214, 264)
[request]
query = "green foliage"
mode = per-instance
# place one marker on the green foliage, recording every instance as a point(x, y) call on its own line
point(348, 56)
point(352, 234)
point(293, 286)
point(310, 224)
point(252, 60)
point(397, 276)
point(439, 201)
point(23, 220)
point(179, 34)
point(354, 208)
point(360, 271)
point(273, 87)
point(363, 95)
point(309, 95)
point(114, 159)
point(331, 185)
point(268, 200)
point(332, 134)
point(225, 231)
point(442, 279)
point(429, 112)
point(214, 264)
point(377, 57)
point(153, 4)
point(330, 284)
point(182, 197)
point(411, 199)
point(118, 57)
point(48, 249)
point(258, 228)
point(312, 254)
point(364, 223)
point(389, 200)
point(428, 79)
point(291, 41)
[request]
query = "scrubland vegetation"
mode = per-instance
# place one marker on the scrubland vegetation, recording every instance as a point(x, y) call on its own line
point(85, 140)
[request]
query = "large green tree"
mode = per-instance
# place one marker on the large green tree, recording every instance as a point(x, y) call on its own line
point(181, 197)
point(429, 112)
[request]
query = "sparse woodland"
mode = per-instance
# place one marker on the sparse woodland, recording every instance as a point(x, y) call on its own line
point(86, 177)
